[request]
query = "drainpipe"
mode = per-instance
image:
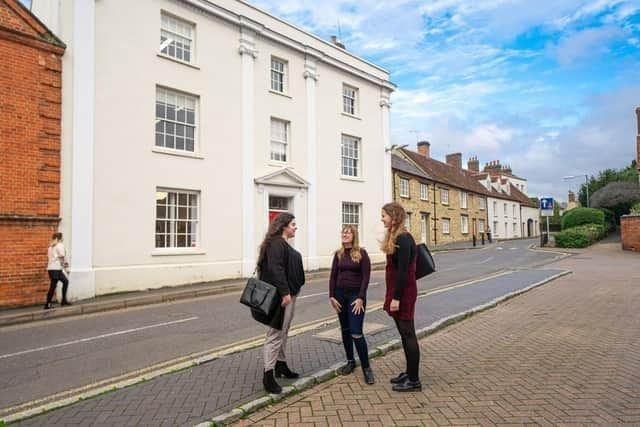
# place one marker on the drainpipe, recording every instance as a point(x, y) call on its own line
point(435, 217)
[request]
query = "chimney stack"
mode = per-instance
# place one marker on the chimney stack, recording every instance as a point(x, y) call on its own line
point(572, 197)
point(493, 168)
point(455, 160)
point(335, 41)
point(507, 169)
point(473, 164)
point(424, 148)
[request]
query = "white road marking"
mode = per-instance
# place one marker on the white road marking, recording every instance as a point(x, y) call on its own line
point(327, 293)
point(97, 337)
point(485, 261)
point(499, 248)
point(514, 249)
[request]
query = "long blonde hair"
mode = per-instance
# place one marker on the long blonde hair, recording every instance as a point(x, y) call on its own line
point(356, 254)
point(398, 217)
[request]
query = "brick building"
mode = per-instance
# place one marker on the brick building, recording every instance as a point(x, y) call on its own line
point(30, 83)
point(445, 202)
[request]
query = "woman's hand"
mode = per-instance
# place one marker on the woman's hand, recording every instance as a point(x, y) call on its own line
point(286, 300)
point(358, 306)
point(395, 305)
point(335, 304)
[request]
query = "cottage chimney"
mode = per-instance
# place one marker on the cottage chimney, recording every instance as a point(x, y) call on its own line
point(335, 41)
point(507, 170)
point(572, 197)
point(473, 164)
point(455, 160)
point(493, 168)
point(424, 148)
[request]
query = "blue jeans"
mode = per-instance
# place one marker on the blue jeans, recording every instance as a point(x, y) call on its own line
point(351, 325)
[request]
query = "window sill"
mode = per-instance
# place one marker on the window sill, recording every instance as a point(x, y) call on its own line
point(424, 200)
point(275, 92)
point(405, 197)
point(177, 252)
point(351, 116)
point(351, 178)
point(188, 64)
point(176, 153)
point(277, 164)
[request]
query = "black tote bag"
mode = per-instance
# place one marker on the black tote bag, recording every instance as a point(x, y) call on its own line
point(260, 296)
point(425, 264)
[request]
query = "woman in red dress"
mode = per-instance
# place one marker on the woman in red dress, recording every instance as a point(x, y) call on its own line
point(402, 291)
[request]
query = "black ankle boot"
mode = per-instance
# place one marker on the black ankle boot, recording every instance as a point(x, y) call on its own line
point(48, 306)
point(399, 379)
point(408, 385)
point(348, 368)
point(270, 384)
point(368, 376)
point(65, 302)
point(282, 370)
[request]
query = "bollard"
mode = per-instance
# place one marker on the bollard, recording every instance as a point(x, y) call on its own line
point(482, 238)
point(474, 240)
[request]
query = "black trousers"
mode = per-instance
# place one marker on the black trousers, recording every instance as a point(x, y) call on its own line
point(57, 276)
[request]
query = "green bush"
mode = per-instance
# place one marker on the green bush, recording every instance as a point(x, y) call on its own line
point(609, 218)
point(580, 216)
point(635, 209)
point(580, 236)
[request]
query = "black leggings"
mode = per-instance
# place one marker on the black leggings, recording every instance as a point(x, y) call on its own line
point(407, 331)
point(57, 276)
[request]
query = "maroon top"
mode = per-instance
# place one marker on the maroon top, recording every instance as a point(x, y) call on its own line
point(400, 278)
point(345, 273)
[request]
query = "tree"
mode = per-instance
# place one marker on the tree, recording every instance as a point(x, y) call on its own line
point(617, 196)
point(628, 174)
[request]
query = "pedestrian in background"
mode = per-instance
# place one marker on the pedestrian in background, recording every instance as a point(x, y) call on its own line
point(349, 280)
point(280, 265)
point(56, 266)
point(402, 291)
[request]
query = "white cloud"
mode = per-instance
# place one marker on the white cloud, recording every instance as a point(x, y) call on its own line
point(585, 44)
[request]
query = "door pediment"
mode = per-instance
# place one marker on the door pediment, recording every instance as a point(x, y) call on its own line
point(283, 178)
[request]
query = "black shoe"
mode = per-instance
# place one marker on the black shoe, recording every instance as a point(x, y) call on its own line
point(282, 370)
point(348, 368)
point(408, 385)
point(65, 303)
point(270, 384)
point(399, 379)
point(368, 376)
point(48, 306)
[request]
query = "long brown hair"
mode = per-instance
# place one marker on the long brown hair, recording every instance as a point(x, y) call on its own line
point(398, 216)
point(55, 238)
point(275, 231)
point(356, 255)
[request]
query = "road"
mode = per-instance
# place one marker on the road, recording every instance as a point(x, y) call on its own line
point(40, 359)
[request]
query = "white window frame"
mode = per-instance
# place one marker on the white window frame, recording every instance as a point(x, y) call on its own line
point(424, 191)
point(444, 196)
point(182, 36)
point(464, 224)
point(169, 127)
point(495, 208)
point(279, 140)
point(405, 187)
point(483, 203)
point(505, 209)
point(515, 228)
point(348, 216)
point(350, 100)
point(407, 222)
point(481, 225)
point(495, 228)
point(514, 211)
point(170, 220)
point(424, 227)
point(464, 201)
point(279, 75)
point(446, 226)
point(350, 157)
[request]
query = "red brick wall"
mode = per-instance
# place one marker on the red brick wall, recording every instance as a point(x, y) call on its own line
point(30, 84)
point(630, 229)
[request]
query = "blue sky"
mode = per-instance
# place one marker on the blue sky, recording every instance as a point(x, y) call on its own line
point(549, 87)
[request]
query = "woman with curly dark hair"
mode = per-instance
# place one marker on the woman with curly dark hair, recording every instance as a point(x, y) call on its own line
point(280, 265)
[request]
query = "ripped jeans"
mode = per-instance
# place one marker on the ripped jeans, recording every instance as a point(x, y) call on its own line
point(351, 326)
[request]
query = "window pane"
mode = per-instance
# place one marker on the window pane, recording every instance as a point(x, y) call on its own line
point(189, 145)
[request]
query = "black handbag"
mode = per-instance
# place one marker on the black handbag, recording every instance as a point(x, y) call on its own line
point(260, 296)
point(425, 264)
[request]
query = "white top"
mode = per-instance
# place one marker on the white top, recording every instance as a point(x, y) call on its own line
point(56, 256)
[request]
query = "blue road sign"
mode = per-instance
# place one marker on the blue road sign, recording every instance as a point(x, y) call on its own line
point(546, 203)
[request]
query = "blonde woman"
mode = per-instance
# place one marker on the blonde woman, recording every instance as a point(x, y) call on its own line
point(402, 291)
point(350, 273)
point(57, 263)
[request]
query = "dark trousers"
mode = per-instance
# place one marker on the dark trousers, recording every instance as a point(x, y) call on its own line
point(407, 331)
point(57, 276)
point(351, 325)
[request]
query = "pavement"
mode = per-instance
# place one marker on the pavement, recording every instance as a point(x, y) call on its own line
point(566, 353)
point(125, 300)
point(213, 385)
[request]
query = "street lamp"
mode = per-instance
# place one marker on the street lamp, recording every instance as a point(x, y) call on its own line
point(586, 182)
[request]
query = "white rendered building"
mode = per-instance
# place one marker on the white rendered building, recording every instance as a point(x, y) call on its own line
point(188, 123)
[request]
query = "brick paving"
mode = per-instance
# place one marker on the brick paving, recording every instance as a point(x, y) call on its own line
point(565, 353)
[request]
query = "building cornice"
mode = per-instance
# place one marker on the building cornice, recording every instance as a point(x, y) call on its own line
point(262, 30)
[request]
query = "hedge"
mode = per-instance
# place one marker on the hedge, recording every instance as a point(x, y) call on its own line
point(635, 209)
point(609, 218)
point(580, 236)
point(580, 216)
